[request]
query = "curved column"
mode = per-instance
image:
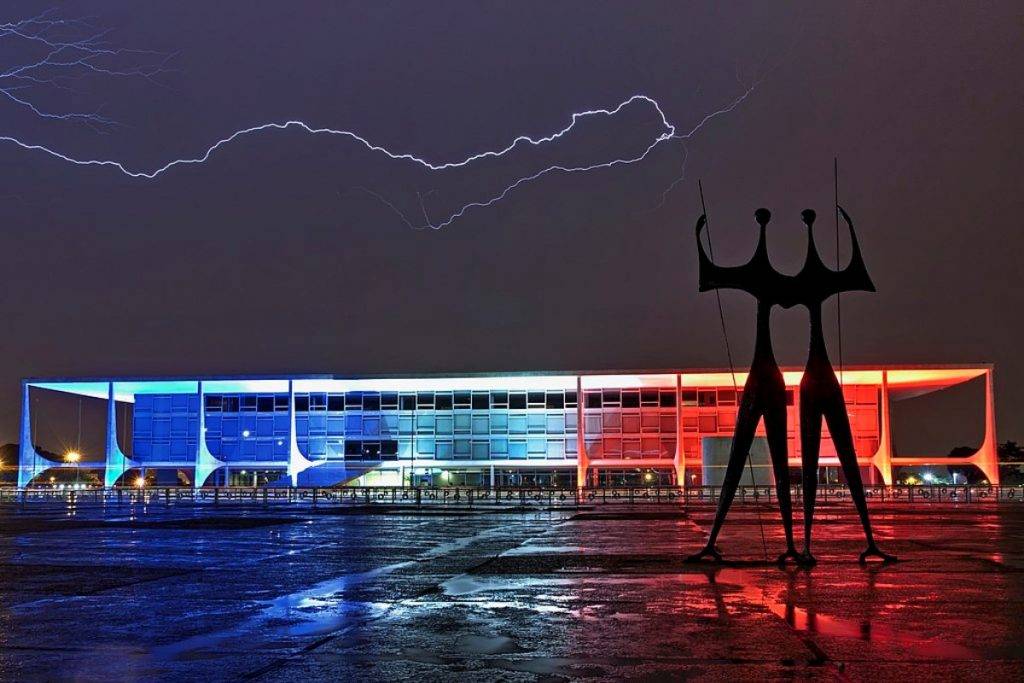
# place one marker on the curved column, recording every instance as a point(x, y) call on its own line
point(206, 463)
point(882, 459)
point(582, 461)
point(297, 462)
point(679, 461)
point(987, 457)
point(117, 463)
point(30, 463)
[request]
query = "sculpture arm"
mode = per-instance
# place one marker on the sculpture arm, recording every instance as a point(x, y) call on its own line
point(854, 278)
point(711, 276)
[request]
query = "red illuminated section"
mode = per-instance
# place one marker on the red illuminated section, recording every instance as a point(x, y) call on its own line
point(659, 420)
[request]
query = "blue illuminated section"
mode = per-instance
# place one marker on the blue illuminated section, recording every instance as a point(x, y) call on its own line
point(467, 424)
point(165, 427)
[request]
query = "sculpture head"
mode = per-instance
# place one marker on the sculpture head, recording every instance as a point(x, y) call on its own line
point(762, 216)
point(808, 216)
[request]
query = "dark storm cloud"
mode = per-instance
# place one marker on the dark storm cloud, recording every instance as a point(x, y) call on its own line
point(265, 260)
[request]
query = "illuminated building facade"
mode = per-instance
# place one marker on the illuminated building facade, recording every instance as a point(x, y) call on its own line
point(514, 429)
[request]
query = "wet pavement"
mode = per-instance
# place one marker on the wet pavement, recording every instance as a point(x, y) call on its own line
point(601, 593)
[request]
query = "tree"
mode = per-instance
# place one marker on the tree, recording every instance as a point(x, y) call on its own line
point(1010, 452)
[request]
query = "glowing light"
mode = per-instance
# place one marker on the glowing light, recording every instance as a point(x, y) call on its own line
point(72, 456)
point(140, 482)
point(928, 477)
point(245, 433)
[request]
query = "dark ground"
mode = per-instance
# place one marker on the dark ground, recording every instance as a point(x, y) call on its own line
point(291, 593)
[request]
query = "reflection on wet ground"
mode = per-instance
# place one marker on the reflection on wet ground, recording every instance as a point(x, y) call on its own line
point(179, 592)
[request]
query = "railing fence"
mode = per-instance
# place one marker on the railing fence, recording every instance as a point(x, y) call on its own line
point(477, 496)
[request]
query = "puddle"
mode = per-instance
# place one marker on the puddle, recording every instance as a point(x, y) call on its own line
point(318, 610)
point(545, 549)
point(464, 584)
point(486, 645)
point(810, 621)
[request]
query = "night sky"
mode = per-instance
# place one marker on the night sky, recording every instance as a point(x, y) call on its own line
point(268, 259)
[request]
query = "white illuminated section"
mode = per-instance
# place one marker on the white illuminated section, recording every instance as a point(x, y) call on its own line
point(510, 383)
point(929, 378)
point(245, 386)
point(791, 377)
point(627, 381)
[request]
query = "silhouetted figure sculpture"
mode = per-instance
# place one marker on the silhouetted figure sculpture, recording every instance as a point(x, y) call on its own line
point(764, 393)
point(821, 395)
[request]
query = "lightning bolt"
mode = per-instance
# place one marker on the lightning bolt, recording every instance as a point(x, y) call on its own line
point(78, 55)
point(69, 49)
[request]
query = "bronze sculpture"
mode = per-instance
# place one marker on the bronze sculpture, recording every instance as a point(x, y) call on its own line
point(821, 394)
point(764, 392)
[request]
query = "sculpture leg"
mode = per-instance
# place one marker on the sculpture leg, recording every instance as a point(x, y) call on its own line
point(775, 429)
point(743, 436)
point(810, 445)
point(839, 428)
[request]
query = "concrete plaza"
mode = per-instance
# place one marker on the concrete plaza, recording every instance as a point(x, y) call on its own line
point(195, 592)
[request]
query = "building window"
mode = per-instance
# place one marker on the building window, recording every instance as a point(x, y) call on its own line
point(707, 398)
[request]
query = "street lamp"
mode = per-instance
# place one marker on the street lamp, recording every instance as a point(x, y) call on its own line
point(74, 457)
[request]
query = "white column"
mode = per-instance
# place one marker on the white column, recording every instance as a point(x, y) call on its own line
point(117, 463)
point(30, 463)
point(206, 464)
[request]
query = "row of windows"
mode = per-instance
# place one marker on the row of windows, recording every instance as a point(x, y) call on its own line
point(633, 423)
point(863, 420)
point(611, 447)
point(377, 401)
point(666, 398)
point(452, 400)
point(631, 449)
point(429, 448)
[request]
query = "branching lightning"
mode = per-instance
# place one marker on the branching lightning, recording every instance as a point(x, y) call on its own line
point(65, 59)
point(66, 50)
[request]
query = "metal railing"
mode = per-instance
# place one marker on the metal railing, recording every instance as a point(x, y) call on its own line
point(520, 496)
